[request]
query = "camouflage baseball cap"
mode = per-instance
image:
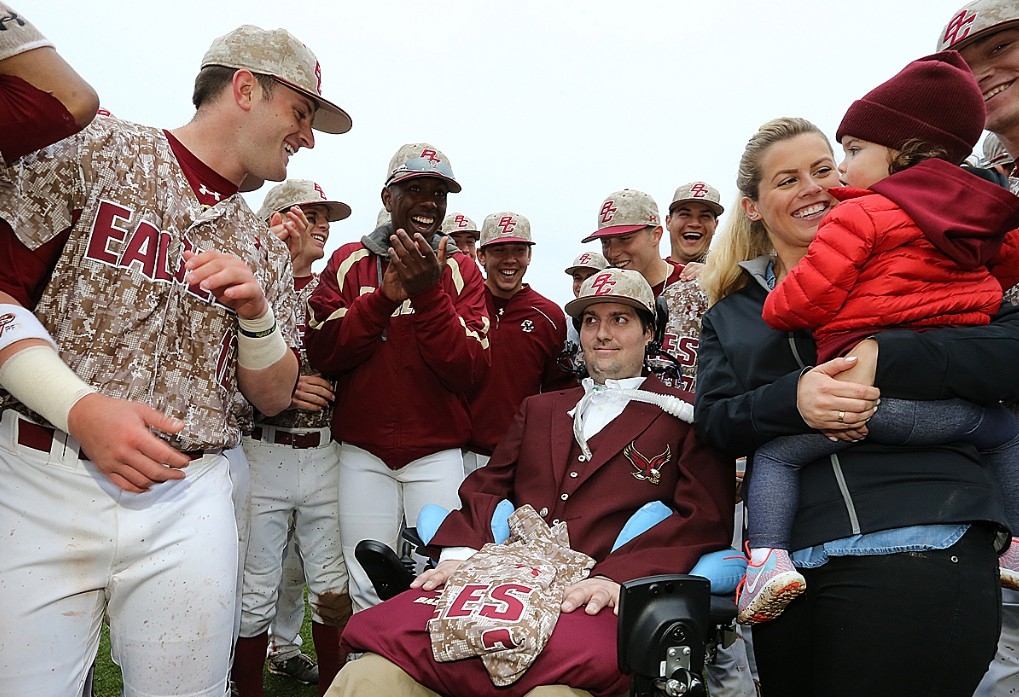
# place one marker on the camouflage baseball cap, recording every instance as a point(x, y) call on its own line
point(383, 218)
point(624, 212)
point(278, 54)
point(587, 260)
point(613, 286)
point(301, 192)
point(505, 227)
point(458, 222)
point(420, 160)
point(697, 192)
point(976, 20)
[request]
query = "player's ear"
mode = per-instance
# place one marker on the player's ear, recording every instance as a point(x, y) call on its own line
point(245, 89)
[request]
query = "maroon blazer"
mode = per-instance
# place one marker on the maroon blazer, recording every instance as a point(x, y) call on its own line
point(538, 462)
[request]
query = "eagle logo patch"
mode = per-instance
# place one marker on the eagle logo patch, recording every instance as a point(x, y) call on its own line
point(647, 469)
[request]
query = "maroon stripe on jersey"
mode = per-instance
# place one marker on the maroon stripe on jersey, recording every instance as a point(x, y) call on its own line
point(25, 272)
point(209, 186)
point(30, 118)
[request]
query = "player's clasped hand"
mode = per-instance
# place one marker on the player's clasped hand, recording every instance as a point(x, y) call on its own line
point(117, 436)
point(229, 279)
point(416, 265)
point(292, 228)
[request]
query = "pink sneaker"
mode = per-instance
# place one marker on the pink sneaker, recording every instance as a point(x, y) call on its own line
point(1008, 566)
point(768, 588)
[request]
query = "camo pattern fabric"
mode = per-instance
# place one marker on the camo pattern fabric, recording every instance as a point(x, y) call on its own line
point(117, 304)
point(298, 419)
point(503, 603)
point(687, 303)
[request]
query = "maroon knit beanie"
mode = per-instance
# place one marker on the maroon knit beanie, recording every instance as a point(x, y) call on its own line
point(934, 99)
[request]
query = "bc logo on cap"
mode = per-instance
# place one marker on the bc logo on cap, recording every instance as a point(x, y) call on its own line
point(608, 211)
point(603, 284)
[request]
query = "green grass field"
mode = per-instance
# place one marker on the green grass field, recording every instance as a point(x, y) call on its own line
point(107, 682)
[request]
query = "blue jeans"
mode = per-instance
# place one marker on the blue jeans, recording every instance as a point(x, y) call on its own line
point(773, 494)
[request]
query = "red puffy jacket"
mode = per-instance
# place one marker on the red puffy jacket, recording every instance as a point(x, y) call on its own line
point(873, 265)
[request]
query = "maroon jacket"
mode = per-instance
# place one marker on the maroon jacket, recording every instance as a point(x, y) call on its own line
point(538, 463)
point(403, 370)
point(527, 335)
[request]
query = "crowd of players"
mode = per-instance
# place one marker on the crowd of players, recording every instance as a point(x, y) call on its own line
point(174, 371)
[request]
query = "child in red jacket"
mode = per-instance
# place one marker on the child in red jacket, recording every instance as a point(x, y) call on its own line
point(916, 243)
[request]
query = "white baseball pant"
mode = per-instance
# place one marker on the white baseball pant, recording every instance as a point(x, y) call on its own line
point(161, 564)
point(285, 629)
point(375, 500)
point(299, 485)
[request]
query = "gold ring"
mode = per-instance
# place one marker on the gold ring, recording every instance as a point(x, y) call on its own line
point(842, 417)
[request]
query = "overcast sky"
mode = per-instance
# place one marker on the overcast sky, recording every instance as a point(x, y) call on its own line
point(544, 107)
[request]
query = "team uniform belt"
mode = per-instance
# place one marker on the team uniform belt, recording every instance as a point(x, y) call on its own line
point(277, 436)
point(38, 437)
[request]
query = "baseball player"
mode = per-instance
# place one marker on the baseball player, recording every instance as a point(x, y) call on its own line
point(139, 297)
point(630, 230)
point(986, 33)
point(592, 475)
point(399, 319)
point(42, 98)
point(464, 232)
point(527, 335)
point(293, 469)
point(585, 265)
point(693, 216)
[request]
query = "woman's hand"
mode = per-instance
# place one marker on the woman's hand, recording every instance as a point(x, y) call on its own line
point(837, 407)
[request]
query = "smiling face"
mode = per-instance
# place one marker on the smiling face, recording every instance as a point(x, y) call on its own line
point(505, 266)
point(417, 204)
point(466, 242)
point(865, 163)
point(579, 276)
point(279, 126)
point(994, 61)
point(691, 226)
point(613, 340)
point(635, 251)
point(318, 216)
point(792, 197)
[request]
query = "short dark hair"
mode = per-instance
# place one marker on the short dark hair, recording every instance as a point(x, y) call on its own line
point(213, 79)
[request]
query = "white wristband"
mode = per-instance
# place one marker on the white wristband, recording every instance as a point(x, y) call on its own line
point(39, 379)
point(17, 323)
point(260, 343)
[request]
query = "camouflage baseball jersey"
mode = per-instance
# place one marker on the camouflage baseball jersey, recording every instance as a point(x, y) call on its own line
point(298, 419)
point(687, 303)
point(503, 603)
point(116, 303)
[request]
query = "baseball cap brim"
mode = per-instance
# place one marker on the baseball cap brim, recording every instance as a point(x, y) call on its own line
point(454, 187)
point(573, 269)
point(715, 207)
point(575, 308)
point(613, 231)
point(329, 118)
point(507, 240)
point(335, 210)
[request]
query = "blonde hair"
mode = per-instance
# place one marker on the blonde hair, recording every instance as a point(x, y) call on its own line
point(741, 238)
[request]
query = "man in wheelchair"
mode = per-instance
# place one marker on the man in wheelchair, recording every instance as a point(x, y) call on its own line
point(591, 458)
